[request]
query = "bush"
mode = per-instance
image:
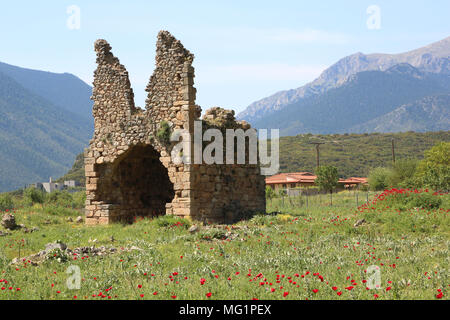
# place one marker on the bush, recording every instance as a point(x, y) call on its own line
point(79, 199)
point(56, 210)
point(425, 201)
point(164, 133)
point(169, 221)
point(434, 170)
point(6, 202)
point(33, 195)
point(402, 199)
point(60, 198)
point(270, 193)
point(378, 179)
point(66, 199)
point(402, 174)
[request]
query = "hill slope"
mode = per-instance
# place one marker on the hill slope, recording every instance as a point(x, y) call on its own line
point(37, 138)
point(354, 154)
point(61, 89)
point(430, 113)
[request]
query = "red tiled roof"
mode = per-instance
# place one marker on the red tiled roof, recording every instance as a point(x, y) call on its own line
point(307, 177)
point(294, 177)
point(353, 180)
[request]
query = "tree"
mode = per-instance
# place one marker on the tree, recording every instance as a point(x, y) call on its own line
point(378, 179)
point(6, 202)
point(270, 193)
point(402, 174)
point(33, 195)
point(434, 170)
point(327, 179)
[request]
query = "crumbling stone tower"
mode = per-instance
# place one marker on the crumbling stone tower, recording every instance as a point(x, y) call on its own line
point(129, 170)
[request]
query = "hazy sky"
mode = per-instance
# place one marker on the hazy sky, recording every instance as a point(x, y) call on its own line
point(244, 50)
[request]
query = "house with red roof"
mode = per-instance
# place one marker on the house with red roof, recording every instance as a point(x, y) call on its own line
point(306, 179)
point(291, 180)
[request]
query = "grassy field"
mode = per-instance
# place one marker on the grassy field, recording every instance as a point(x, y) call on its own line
point(299, 252)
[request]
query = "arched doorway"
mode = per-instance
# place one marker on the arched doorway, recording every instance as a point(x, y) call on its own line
point(136, 184)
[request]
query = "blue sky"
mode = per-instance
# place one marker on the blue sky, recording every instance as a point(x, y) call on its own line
point(244, 50)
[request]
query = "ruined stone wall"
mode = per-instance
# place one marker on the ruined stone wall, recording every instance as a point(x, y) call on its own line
point(224, 192)
point(129, 171)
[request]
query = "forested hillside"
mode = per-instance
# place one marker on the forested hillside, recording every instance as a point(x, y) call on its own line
point(37, 138)
point(354, 154)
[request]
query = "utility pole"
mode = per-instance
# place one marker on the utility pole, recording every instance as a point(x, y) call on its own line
point(393, 151)
point(317, 144)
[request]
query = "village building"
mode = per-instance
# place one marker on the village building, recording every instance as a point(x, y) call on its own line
point(51, 186)
point(291, 180)
point(304, 180)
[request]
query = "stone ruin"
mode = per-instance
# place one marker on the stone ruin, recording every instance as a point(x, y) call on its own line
point(129, 169)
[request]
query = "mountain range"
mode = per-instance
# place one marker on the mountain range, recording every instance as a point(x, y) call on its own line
point(44, 124)
point(357, 93)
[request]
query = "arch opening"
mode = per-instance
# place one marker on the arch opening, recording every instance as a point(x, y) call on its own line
point(136, 185)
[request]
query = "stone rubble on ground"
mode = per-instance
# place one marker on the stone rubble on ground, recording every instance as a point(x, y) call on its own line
point(194, 228)
point(359, 223)
point(3, 234)
point(9, 221)
point(90, 251)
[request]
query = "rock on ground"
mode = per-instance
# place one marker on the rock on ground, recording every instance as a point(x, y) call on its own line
point(359, 223)
point(9, 221)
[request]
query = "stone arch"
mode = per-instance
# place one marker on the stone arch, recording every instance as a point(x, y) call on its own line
point(135, 184)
